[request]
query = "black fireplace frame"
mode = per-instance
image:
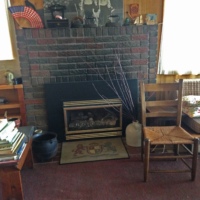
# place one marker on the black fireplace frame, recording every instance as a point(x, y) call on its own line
point(57, 93)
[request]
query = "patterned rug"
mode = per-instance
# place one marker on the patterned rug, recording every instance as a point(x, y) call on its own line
point(92, 150)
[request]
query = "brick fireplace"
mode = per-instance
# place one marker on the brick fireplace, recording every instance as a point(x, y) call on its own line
point(67, 55)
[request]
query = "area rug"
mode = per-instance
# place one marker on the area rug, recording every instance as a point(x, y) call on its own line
point(92, 150)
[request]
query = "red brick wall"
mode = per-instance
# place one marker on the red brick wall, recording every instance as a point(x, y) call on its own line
point(67, 55)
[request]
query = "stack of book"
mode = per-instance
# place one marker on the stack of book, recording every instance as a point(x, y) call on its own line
point(12, 141)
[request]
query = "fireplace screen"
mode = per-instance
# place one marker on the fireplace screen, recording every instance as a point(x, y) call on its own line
point(92, 118)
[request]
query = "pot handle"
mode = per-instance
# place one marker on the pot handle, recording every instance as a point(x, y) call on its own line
point(37, 131)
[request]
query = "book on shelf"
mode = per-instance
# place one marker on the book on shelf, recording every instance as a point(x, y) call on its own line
point(7, 158)
point(15, 137)
point(18, 144)
point(3, 123)
point(7, 130)
point(7, 141)
point(15, 156)
point(12, 134)
point(21, 138)
point(12, 141)
point(5, 144)
point(21, 150)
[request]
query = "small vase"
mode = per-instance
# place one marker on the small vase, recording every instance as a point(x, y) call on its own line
point(133, 134)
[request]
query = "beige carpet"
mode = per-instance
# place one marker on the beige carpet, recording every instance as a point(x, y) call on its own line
point(92, 150)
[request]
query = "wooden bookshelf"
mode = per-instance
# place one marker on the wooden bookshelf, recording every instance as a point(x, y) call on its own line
point(15, 105)
point(10, 173)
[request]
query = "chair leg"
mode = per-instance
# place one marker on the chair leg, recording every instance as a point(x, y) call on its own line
point(194, 159)
point(176, 150)
point(142, 147)
point(146, 159)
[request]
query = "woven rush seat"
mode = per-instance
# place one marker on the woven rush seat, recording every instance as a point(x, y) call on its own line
point(167, 135)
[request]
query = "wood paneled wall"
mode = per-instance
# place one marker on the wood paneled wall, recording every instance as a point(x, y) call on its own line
point(147, 6)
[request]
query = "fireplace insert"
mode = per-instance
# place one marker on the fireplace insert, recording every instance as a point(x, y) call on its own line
point(92, 118)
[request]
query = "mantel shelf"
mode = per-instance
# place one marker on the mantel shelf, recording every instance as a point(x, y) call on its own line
point(9, 105)
point(10, 87)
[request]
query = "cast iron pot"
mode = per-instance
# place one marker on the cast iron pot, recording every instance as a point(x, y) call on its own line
point(44, 145)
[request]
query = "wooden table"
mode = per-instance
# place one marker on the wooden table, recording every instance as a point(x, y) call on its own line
point(10, 174)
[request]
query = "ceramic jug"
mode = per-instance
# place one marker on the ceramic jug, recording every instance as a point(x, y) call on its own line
point(133, 134)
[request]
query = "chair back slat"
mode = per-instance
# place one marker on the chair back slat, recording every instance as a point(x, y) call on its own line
point(161, 103)
point(152, 106)
point(159, 87)
point(161, 114)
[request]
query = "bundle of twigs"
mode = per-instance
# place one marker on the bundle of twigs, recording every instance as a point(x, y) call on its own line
point(122, 90)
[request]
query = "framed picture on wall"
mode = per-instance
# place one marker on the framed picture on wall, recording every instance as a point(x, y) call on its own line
point(97, 10)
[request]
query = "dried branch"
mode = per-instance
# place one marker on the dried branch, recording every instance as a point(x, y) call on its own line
point(122, 92)
point(122, 89)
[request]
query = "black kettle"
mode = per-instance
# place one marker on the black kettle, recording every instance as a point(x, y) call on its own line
point(113, 20)
point(57, 10)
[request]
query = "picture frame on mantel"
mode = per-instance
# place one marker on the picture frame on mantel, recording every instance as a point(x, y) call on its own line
point(87, 11)
point(151, 19)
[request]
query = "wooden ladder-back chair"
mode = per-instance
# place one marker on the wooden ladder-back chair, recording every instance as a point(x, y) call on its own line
point(165, 135)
